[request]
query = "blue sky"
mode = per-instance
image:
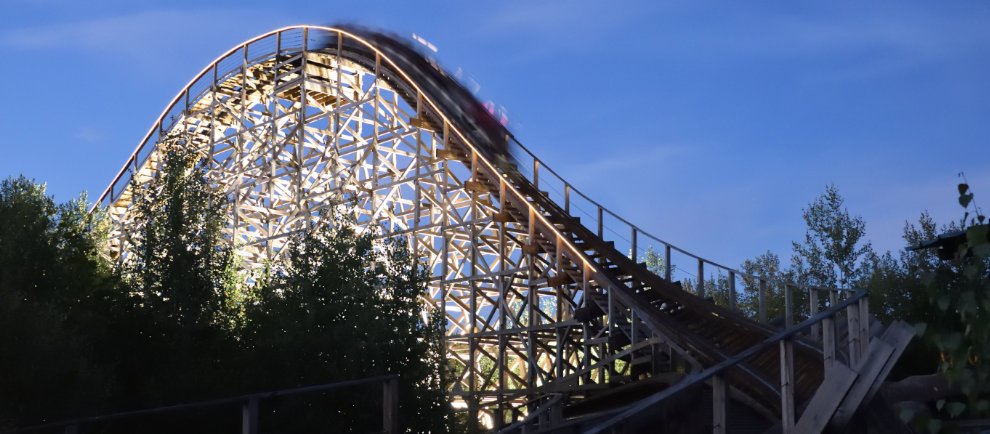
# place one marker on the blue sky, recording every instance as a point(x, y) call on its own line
point(710, 124)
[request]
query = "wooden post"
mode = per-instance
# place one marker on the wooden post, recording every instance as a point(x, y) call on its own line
point(719, 392)
point(701, 278)
point(72, 429)
point(536, 174)
point(634, 254)
point(390, 405)
point(667, 267)
point(812, 310)
point(567, 198)
point(828, 344)
point(732, 290)
point(852, 316)
point(787, 386)
point(600, 223)
point(788, 307)
point(249, 417)
point(763, 300)
point(864, 326)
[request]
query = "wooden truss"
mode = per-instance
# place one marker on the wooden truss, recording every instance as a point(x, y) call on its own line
point(290, 133)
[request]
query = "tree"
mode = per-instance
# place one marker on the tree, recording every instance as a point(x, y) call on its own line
point(56, 296)
point(182, 277)
point(833, 248)
point(182, 267)
point(654, 262)
point(344, 306)
point(764, 267)
point(958, 320)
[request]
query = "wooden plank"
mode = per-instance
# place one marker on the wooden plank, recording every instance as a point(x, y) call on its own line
point(787, 386)
point(898, 335)
point(828, 397)
point(871, 366)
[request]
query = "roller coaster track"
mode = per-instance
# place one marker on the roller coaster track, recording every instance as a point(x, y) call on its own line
point(547, 313)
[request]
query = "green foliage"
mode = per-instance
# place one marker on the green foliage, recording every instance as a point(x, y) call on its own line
point(833, 247)
point(344, 306)
point(957, 324)
point(181, 280)
point(173, 323)
point(55, 297)
point(182, 268)
point(833, 255)
point(767, 268)
point(654, 262)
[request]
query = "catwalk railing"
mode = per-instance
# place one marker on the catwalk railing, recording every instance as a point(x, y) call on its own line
point(820, 330)
point(704, 276)
point(249, 406)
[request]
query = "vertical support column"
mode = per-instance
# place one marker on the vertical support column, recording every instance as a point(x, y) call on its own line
point(390, 405)
point(585, 300)
point(732, 290)
point(828, 345)
point(852, 316)
point(567, 198)
point(536, 174)
point(249, 417)
point(503, 305)
point(445, 235)
point(242, 138)
point(668, 268)
point(763, 301)
point(532, 302)
point(720, 391)
point(633, 235)
point(787, 386)
point(864, 326)
point(701, 278)
point(812, 310)
point(417, 182)
point(72, 429)
point(301, 137)
point(788, 306)
point(373, 214)
point(601, 224)
point(472, 260)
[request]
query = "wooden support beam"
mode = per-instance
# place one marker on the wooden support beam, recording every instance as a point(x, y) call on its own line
point(822, 406)
point(720, 391)
point(701, 278)
point(787, 387)
point(828, 345)
point(763, 301)
point(812, 310)
point(788, 306)
point(852, 331)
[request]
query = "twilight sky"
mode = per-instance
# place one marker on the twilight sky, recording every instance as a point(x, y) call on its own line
point(711, 124)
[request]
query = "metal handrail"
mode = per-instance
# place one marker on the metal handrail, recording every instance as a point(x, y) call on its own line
point(389, 382)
